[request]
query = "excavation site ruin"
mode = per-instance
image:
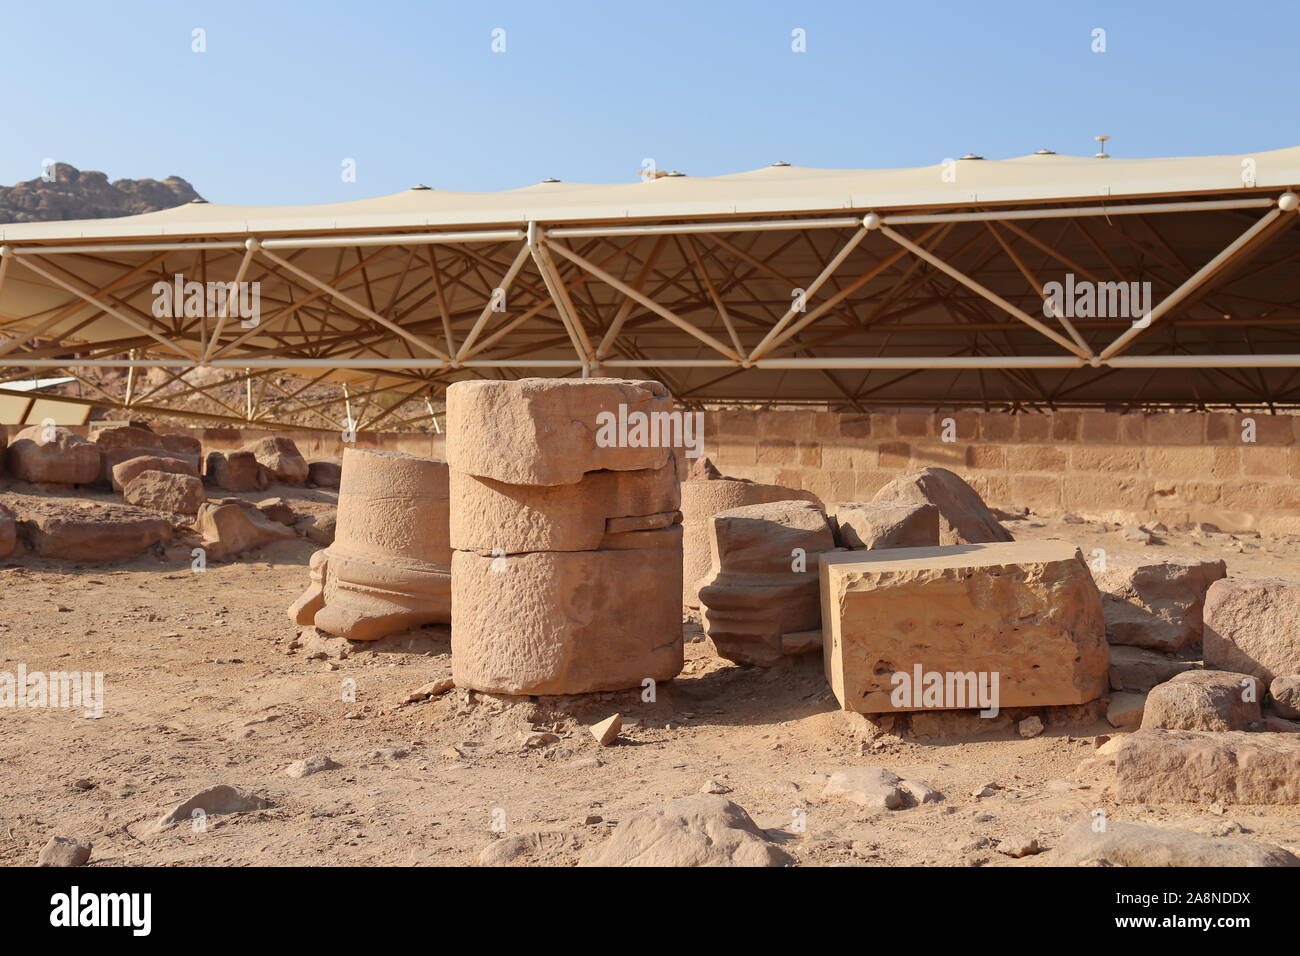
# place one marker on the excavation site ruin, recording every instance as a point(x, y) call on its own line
point(689, 522)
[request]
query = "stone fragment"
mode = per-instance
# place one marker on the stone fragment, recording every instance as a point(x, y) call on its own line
point(880, 525)
point(233, 527)
point(64, 851)
point(596, 620)
point(713, 786)
point(53, 455)
point(1284, 691)
point(1133, 844)
point(119, 444)
point(492, 517)
point(535, 848)
point(236, 471)
point(1030, 727)
point(1250, 627)
point(165, 491)
point(1025, 614)
point(866, 786)
point(1018, 845)
point(433, 688)
point(705, 470)
point(916, 793)
point(1137, 534)
point(556, 430)
point(700, 830)
point(1140, 669)
point(124, 471)
point(607, 730)
point(280, 457)
point(277, 509)
point(963, 516)
point(764, 578)
point(318, 528)
point(303, 611)
point(101, 533)
point(1154, 601)
point(1204, 700)
point(704, 498)
point(324, 474)
point(222, 798)
point(1187, 766)
point(310, 765)
point(1125, 710)
point(389, 566)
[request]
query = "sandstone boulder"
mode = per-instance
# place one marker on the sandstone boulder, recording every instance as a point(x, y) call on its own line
point(700, 830)
point(1250, 627)
point(1187, 766)
point(764, 578)
point(705, 470)
point(230, 528)
point(879, 525)
point(64, 852)
point(1156, 602)
point(236, 471)
point(8, 531)
point(1026, 614)
point(1125, 710)
point(53, 455)
point(702, 498)
point(125, 442)
point(876, 788)
point(1133, 844)
point(124, 471)
point(1204, 700)
point(556, 430)
point(98, 533)
point(281, 459)
point(493, 517)
point(1284, 691)
point(1139, 669)
point(324, 474)
point(223, 798)
point(963, 516)
point(165, 491)
point(582, 637)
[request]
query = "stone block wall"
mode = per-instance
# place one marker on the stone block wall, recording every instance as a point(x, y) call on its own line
point(1126, 467)
point(1170, 467)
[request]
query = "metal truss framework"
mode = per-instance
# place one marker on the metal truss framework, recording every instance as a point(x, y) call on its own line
point(941, 308)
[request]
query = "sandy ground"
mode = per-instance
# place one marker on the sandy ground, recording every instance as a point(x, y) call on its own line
point(204, 686)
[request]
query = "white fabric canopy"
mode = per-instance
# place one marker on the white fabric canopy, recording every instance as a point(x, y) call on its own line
point(771, 190)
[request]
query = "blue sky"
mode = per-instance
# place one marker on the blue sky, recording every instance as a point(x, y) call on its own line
point(285, 92)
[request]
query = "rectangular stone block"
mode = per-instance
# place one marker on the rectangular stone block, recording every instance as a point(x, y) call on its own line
point(1190, 766)
point(1024, 617)
point(546, 431)
point(874, 525)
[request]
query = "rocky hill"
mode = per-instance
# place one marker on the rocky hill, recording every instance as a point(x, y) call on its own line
point(74, 194)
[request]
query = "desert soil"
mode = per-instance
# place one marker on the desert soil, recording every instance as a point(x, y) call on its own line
point(205, 684)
